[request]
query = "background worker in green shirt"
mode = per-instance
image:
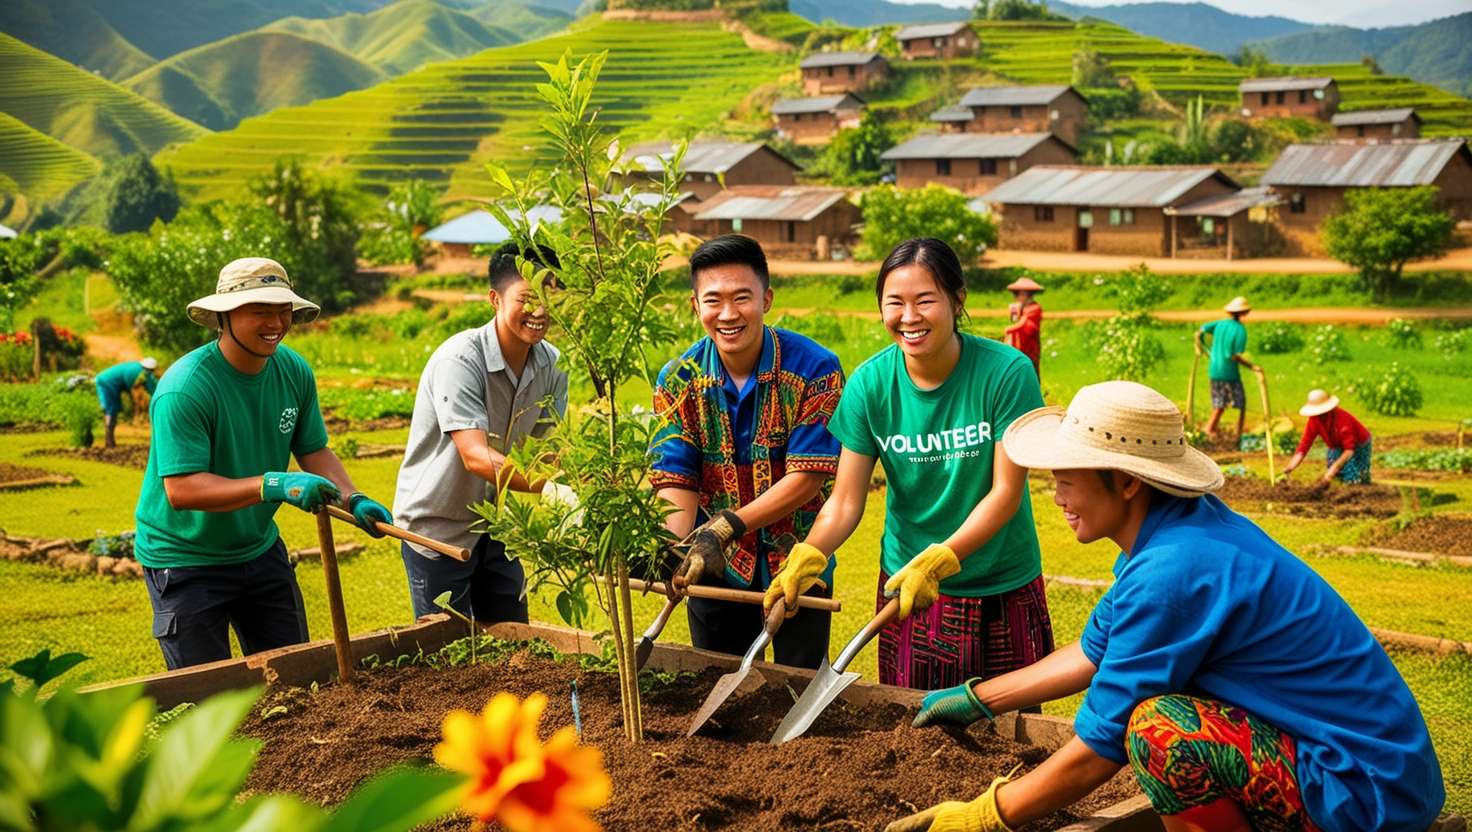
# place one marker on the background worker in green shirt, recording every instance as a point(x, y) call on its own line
point(227, 419)
point(1228, 343)
point(116, 380)
point(959, 546)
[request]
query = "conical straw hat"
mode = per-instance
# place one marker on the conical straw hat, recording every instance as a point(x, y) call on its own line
point(1239, 304)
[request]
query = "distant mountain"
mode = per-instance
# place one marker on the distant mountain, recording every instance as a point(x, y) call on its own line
point(1196, 24)
point(167, 27)
point(36, 165)
point(874, 12)
point(75, 31)
point(1437, 52)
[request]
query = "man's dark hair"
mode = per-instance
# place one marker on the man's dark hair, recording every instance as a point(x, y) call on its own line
point(502, 268)
point(1106, 476)
point(727, 249)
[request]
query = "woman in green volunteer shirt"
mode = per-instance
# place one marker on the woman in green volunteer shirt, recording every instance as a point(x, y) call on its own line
point(959, 545)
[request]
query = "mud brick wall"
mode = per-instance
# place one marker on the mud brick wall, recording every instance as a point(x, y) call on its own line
point(966, 175)
point(1071, 109)
point(1400, 130)
point(793, 240)
point(808, 128)
point(962, 43)
point(1289, 103)
point(825, 80)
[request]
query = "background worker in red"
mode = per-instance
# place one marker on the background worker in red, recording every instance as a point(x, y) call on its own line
point(1348, 440)
point(1026, 331)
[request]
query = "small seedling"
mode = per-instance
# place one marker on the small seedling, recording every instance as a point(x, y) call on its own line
point(443, 602)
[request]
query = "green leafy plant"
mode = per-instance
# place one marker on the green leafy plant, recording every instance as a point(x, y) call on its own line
point(852, 158)
point(1137, 291)
point(1456, 460)
point(892, 216)
point(1380, 230)
point(1327, 344)
point(1401, 334)
point(1452, 344)
point(1394, 392)
point(1125, 345)
point(80, 418)
point(1277, 337)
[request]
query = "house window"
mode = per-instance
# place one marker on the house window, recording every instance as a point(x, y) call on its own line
point(790, 232)
point(938, 43)
point(797, 116)
point(830, 72)
point(1121, 216)
point(1017, 112)
point(1280, 96)
point(1360, 131)
point(1265, 99)
point(942, 167)
point(1297, 204)
point(851, 71)
point(1042, 213)
point(988, 167)
point(1303, 96)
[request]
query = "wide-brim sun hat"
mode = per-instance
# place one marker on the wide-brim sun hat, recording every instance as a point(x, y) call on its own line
point(1238, 304)
point(149, 363)
point(1319, 402)
point(251, 280)
point(1025, 284)
point(1115, 425)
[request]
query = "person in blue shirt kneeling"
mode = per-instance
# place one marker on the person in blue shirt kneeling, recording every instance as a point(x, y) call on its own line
point(1237, 685)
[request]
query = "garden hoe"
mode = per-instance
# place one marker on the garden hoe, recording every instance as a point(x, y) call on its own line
point(831, 679)
point(1191, 391)
point(741, 679)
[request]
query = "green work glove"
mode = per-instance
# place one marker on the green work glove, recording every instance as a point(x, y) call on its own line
point(368, 511)
point(957, 705)
point(706, 557)
point(307, 492)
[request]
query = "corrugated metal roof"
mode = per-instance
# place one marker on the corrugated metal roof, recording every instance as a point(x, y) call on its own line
point(820, 104)
point(956, 113)
point(930, 30)
point(1286, 84)
point(967, 146)
point(1354, 119)
point(1361, 164)
point(801, 203)
point(837, 59)
point(700, 157)
point(1150, 187)
point(1013, 96)
point(1226, 205)
point(481, 227)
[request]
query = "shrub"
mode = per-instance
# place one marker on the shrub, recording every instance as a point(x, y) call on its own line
point(1127, 348)
point(79, 416)
point(17, 355)
point(1380, 230)
point(852, 158)
point(138, 195)
point(1395, 392)
point(42, 403)
point(1327, 344)
point(892, 216)
point(1277, 338)
point(1451, 344)
point(1456, 460)
point(1137, 291)
point(1401, 334)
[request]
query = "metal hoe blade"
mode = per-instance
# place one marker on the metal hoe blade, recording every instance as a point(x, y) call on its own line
point(820, 693)
point(741, 679)
point(646, 642)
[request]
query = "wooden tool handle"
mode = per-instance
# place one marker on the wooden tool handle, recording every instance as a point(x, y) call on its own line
point(740, 596)
point(776, 617)
point(866, 635)
point(401, 534)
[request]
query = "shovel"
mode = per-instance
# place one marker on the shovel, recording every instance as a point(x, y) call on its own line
point(741, 679)
point(831, 679)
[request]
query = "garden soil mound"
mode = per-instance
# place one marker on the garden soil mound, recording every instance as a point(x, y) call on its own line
point(20, 473)
point(857, 768)
point(128, 456)
point(1308, 500)
point(1439, 534)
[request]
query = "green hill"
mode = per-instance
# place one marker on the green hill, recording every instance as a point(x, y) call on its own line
point(444, 121)
point(1437, 52)
point(1443, 113)
point(73, 30)
point(167, 27)
point(408, 34)
point(80, 109)
point(221, 83)
point(1195, 24)
point(39, 165)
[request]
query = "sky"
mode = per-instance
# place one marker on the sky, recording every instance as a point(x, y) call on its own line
point(1360, 13)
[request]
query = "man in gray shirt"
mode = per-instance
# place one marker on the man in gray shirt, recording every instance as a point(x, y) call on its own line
point(483, 391)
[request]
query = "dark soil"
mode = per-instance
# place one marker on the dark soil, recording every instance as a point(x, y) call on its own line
point(19, 473)
point(1306, 498)
point(856, 768)
point(128, 456)
point(336, 424)
point(1431, 439)
point(1439, 534)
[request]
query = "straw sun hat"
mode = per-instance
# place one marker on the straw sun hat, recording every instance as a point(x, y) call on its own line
point(1238, 304)
point(149, 363)
point(1117, 425)
point(1025, 284)
point(251, 280)
point(1319, 402)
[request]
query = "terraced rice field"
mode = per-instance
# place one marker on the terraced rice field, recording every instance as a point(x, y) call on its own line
point(443, 122)
point(1443, 113)
point(39, 165)
point(80, 109)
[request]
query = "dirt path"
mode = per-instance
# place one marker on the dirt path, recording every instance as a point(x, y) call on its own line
point(106, 350)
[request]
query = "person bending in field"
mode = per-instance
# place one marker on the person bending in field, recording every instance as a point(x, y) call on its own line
point(745, 454)
point(116, 380)
point(1238, 686)
point(227, 420)
point(482, 393)
point(1026, 330)
point(1348, 440)
point(1228, 343)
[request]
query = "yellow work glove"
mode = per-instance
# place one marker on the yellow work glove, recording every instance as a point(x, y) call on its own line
point(980, 815)
point(799, 572)
point(918, 583)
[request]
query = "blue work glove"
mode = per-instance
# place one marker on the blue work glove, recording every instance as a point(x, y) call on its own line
point(307, 492)
point(368, 511)
point(957, 705)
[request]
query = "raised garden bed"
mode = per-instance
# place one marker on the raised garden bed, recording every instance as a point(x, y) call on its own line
point(1441, 534)
point(1306, 499)
point(128, 456)
point(20, 478)
point(860, 766)
point(82, 556)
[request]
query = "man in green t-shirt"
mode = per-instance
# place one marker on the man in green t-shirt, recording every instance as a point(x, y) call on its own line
point(227, 419)
point(1228, 343)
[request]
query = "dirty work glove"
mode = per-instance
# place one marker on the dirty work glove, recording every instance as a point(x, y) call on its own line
point(367, 511)
point(307, 492)
point(556, 493)
point(706, 557)
point(918, 583)
point(980, 815)
point(799, 572)
point(957, 706)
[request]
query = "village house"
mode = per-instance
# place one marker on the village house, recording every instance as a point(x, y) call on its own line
point(1056, 109)
point(938, 40)
point(797, 222)
point(457, 237)
point(1229, 225)
point(706, 163)
point(1105, 210)
point(816, 120)
point(1315, 98)
point(826, 73)
point(974, 163)
point(1311, 179)
point(1401, 123)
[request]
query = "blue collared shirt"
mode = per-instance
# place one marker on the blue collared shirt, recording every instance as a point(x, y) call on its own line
point(1209, 605)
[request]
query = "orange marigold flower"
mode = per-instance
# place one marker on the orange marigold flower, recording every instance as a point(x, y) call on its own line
point(514, 779)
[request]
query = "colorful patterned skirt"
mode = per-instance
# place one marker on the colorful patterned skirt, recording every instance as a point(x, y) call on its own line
point(1357, 470)
point(956, 639)
point(1213, 763)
